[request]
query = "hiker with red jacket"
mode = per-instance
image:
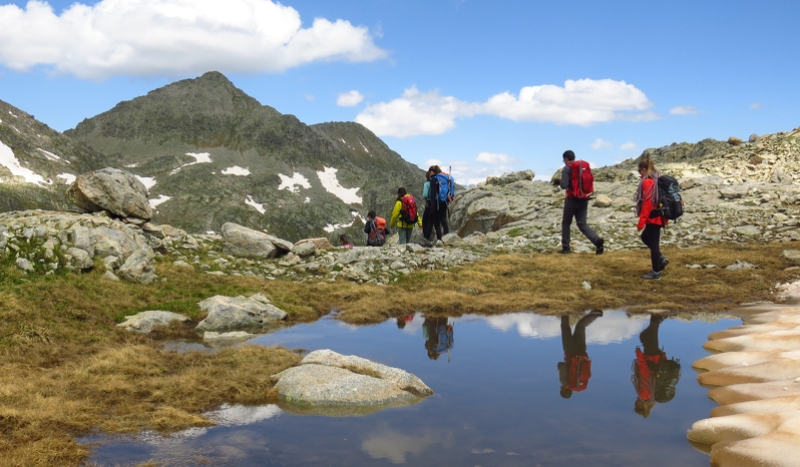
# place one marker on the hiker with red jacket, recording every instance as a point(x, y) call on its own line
point(576, 203)
point(576, 369)
point(650, 223)
point(376, 230)
point(655, 377)
point(405, 216)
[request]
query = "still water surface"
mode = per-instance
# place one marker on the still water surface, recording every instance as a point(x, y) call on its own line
point(497, 400)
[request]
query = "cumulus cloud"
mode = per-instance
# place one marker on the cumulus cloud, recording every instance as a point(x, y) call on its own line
point(600, 143)
point(755, 105)
point(168, 37)
point(684, 110)
point(416, 113)
point(627, 146)
point(578, 102)
point(494, 158)
point(349, 99)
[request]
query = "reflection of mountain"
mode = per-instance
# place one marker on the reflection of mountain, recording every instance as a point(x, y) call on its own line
point(613, 326)
point(393, 445)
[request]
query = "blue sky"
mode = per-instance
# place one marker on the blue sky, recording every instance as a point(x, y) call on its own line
point(483, 86)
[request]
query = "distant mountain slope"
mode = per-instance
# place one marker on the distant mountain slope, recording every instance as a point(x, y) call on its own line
point(212, 154)
point(37, 163)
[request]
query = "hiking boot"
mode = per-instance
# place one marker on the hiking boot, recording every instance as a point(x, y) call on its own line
point(599, 246)
point(596, 312)
point(664, 263)
point(652, 275)
point(564, 251)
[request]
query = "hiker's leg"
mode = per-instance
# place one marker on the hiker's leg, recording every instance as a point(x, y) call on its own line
point(651, 236)
point(579, 335)
point(566, 222)
point(567, 339)
point(581, 211)
point(403, 235)
point(445, 227)
point(649, 336)
point(437, 222)
point(427, 221)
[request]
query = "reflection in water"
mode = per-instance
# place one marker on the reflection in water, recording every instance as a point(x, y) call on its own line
point(386, 443)
point(403, 320)
point(438, 334)
point(576, 369)
point(654, 376)
point(614, 327)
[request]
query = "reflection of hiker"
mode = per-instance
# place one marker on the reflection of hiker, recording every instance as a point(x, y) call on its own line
point(376, 230)
point(646, 200)
point(438, 337)
point(401, 321)
point(576, 203)
point(654, 376)
point(404, 216)
point(576, 369)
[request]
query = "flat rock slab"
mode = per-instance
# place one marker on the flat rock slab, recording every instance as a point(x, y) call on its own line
point(327, 383)
point(146, 321)
point(238, 312)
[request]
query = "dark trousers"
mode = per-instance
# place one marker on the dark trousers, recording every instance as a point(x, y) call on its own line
point(576, 208)
point(649, 337)
point(574, 343)
point(436, 212)
point(651, 236)
point(427, 221)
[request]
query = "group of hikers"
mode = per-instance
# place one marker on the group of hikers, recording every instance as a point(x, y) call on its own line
point(655, 376)
point(438, 192)
point(657, 201)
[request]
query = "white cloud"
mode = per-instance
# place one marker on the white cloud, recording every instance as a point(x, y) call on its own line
point(627, 146)
point(600, 143)
point(349, 99)
point(492, 158)
point(755, 105)
point(157, 37)
point(416, 113)
point(467, 173)
point(684, 110)
point(579, 102)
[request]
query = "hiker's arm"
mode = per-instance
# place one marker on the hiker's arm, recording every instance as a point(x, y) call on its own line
point(426, 189)
point(367, 227)
point(395, 214)
point(564, 183)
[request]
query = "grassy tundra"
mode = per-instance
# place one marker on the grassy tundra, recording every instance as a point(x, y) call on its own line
point(67, 371)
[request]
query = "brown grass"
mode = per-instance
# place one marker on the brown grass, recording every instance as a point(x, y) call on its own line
point(67, 371)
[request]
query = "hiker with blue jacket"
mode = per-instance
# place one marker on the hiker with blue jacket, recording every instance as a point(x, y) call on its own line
point(427, 214)
point(404, 216)
point(576, 204)
point(442, 190)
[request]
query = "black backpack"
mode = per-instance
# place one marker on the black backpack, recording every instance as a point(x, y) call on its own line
point(670, 204)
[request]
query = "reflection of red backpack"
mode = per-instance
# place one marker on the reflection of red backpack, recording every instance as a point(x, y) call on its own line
point(408, 210)
point(580, 370)
point(581, 180)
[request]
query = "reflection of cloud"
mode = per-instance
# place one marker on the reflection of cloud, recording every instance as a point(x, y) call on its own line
point(239, 415)
point(395, 446)
point(611, 327)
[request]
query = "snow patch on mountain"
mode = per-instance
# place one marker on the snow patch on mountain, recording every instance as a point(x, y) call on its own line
point(199, 158)
point(293, 183)
point(236, 170)
point(331, 183)
point(258, 207)
point(9, 161)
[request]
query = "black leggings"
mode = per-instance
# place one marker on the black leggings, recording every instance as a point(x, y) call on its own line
point(651, 236)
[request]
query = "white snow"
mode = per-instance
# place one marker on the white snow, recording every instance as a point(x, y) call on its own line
point(9, 112)
point(258, 207)
point(331, 227)
point(9, 161)
point(68, 178)
point(132, 165)
point(199, 158)
point(148, 182)
point(330, 183)
point(362, 145)
point(161, 199)
point(307, 200)
point(236, 170)
point(293, 183)
point(49, 155)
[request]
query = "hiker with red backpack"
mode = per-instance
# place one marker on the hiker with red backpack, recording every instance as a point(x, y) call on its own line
point(577, 179)
point(655, 376)
point(576, 369)
point(376, 230)
point(650, 225)
point(405, 216)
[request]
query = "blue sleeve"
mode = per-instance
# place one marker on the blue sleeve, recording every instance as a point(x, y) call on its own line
point(426, 188)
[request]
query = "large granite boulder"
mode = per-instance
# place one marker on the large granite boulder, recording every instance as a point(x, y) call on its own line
point(238, 312)
point(113, 190)
point(327, 383)
point(511, 177)
point(241, 241)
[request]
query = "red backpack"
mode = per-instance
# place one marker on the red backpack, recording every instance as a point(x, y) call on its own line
point(581, 180)
point(408, 210)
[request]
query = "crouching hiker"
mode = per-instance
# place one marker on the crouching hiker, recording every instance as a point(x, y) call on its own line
point(405, 216)
point(376, 230)
point(650, 223)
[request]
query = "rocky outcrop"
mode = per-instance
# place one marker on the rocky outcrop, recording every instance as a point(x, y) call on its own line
point(327, 383)
point(113, 190)
point(238, 312)
point(248, 243)
point(147, 321)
